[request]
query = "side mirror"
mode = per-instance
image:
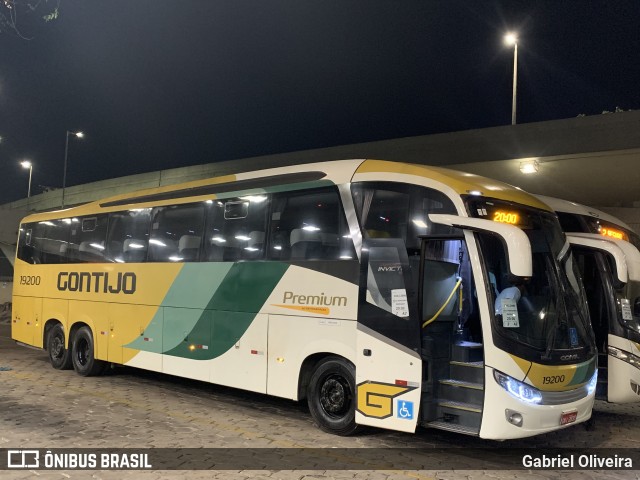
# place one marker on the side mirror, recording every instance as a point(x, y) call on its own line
point(602, 244)
point(516, 242)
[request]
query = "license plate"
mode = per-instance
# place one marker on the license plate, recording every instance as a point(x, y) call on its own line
point(568, 417)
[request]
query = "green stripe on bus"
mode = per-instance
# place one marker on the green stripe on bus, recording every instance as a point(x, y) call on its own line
point(188, 296)
point(209, 307)
point(214, 334)
point(247, 287)
point(583, 373)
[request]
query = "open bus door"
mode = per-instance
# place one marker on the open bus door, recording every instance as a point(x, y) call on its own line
point(388, 363)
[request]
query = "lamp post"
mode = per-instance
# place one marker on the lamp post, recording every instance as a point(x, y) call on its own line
point(512, 39)
point(29, 165)
point(66, 153)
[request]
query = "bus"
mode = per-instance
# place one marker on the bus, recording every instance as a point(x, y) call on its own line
point(384, 294)
point(606, 250)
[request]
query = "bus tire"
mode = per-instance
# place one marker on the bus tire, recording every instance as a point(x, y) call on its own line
point(331, 396)
point(59, 356)
point(83, 354)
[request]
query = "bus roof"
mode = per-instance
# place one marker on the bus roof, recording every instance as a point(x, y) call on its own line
point(559, 205)
point(463, 183)
point(331, 172)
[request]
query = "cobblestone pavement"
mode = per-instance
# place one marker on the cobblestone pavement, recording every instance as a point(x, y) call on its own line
point(44, 408)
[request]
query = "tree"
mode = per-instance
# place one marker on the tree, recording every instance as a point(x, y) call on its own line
point(19, 16)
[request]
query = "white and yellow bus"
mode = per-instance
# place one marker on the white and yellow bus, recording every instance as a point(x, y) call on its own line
point(606, 250)
point(385, 294)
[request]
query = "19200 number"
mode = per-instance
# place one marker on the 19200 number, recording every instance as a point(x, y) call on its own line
point(553, 379)
point(29, 279)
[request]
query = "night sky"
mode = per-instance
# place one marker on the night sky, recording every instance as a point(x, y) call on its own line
point(159, 84)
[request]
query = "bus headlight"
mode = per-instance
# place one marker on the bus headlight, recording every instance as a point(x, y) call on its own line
point(591, 386)
point(518, 389)
point(630, 358)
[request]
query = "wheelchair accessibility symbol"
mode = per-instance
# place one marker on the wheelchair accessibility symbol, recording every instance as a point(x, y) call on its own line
point(404, 409)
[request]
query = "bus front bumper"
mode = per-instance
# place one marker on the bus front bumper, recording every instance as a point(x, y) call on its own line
point(506, 417)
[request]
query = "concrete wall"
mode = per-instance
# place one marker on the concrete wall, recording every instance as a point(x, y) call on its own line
point(9, 223)
point(89, 192)
point(6, 289)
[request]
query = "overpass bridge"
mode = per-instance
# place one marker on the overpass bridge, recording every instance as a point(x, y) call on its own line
point(593, 160)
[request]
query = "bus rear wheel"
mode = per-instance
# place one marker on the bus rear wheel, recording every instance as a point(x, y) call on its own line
point(331, 396)
point(83, 354)
point(59, 356)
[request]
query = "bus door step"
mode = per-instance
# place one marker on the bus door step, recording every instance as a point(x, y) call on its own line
point(454, 427)
point(467, 352)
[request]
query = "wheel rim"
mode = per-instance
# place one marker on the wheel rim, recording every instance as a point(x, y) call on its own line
point(82, 352)
point(335, 396)
point(57, 347)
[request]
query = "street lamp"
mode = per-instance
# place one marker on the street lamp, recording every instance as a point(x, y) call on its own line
point(29, 165)
point(512, 39)
point(66, 152)
point(529, 166)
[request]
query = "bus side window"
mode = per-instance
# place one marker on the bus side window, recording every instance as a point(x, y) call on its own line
point(570, 222)
point(176, 233)
point(88, 235)
point(51, 241)
point(214, 240)
point(395, 210)
point(26, 252)
point(383, 213)
point(128, 236)
point(236, 228)
point(309, 225)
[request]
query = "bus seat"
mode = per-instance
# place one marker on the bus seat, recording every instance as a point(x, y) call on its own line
point(215, 252)
point(256, 241)
point(330, 245)
point(305, 244)
point(134, 250)
point(189, 247)
point(87, 251)
point(280, 245)
point(163, 253)
point(114, 249)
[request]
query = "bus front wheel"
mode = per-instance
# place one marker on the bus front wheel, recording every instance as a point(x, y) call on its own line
point(83, 354)
point(59, 356)
point(331, 396)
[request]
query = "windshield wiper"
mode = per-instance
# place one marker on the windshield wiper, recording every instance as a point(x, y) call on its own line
point(551, 336)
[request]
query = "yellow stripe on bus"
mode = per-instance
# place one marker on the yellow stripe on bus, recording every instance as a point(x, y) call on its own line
point(461, 182)
point(307, 309)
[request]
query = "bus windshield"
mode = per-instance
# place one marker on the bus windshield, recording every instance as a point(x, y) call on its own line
point(543, 318)
point(630, 307)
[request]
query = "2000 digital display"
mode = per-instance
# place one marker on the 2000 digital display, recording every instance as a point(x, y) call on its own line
point(505, 217)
